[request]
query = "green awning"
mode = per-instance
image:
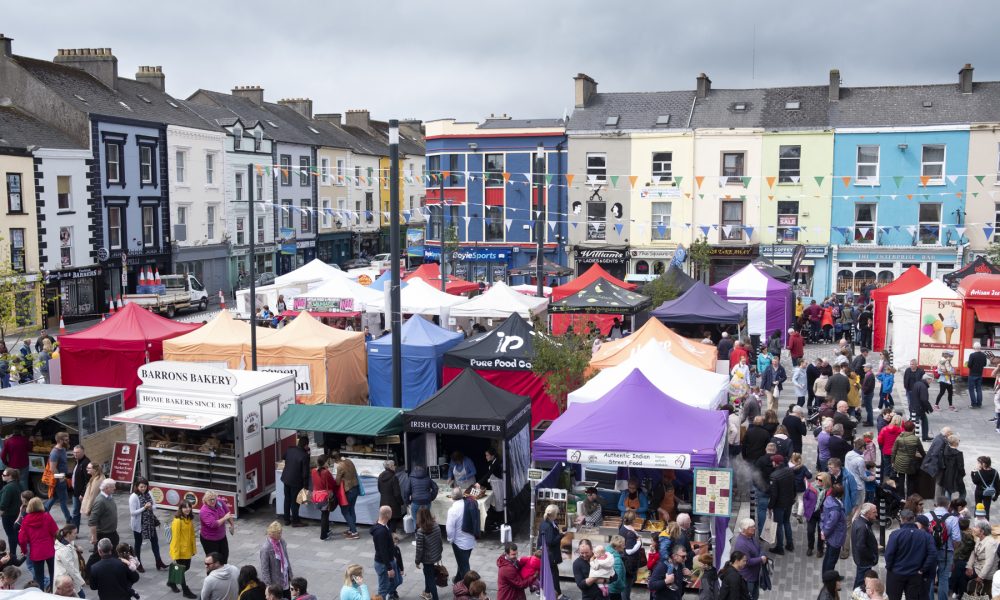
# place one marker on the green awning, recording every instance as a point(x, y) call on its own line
point(341, 418)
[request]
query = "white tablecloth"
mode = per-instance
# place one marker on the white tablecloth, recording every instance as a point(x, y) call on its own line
point(366, 508)
point(441, 504)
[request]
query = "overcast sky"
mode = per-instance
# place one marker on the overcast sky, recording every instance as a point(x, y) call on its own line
point(467, 59)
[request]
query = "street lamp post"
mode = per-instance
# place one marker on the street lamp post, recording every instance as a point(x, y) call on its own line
point(444, 280)
point(253, 268)
point(396, 317)
point(539, 220)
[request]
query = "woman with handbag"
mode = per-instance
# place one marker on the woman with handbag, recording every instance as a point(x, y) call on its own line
point(68, 559)
point(144, 522)
point(182, 548)
point(428, 553)
point(983, 563)
point(324, 488)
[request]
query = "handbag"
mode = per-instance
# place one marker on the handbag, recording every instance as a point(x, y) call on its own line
point(341, 496)
point(302, 497)
point(441, 575)
point(976, 587)
point(49, 479)
point(766, 570)
point(770, 531)
point(175, 574)
point(361, 487)
point(321, 496)
point(168, 532)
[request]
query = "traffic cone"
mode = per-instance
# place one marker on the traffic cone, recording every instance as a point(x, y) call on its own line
point(62, 326)
point(102, 317)
point(142, 277)
point(121, 305)
point(222, 301)
point(111, 309)
point(156, 278)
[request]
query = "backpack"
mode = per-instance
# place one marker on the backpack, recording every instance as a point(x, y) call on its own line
point(989, 489)
point(938, 530)
point(835, 312)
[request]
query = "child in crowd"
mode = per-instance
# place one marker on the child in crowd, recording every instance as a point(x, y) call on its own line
point(802, 474)
point(871, 452)
point(602, 566)
point(531, 566)
point(887, 378)
point(884, 418)
point(653, 556)
point(398, 556)
point(8, 577)
point(871, 482)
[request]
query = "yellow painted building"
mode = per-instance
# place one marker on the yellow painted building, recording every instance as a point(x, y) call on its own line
point(19, 238)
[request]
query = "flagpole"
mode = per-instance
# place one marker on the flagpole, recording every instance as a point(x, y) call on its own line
point(396, 317)
point(253, 267)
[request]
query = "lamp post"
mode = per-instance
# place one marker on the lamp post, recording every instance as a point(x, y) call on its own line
point(394, 307)
point(444, 280)
point(253, 268)
point(539, 220)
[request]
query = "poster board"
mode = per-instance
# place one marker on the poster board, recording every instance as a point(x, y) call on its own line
point(940, 329)
point(124, 461)
point(713, 492)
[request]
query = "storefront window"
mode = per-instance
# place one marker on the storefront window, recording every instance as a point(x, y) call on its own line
point(659, 267)
point(642, 268)
point(596, 220)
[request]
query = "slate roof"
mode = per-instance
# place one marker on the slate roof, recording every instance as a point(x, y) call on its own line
point(408, 145)
point(636, 110)
point(218, 115)
point(19, 130)
point(719, 109)
point(903, 105)
point(811, 114)
point(270, 116)
point(131, 99)
point(520, 123)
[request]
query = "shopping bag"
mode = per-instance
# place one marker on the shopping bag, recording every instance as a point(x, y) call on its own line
point(303, 496)
point(175, 574)
point(321, 497)
point(361, 487)
point(766, 571)
point(341, 496)
point(770, 532)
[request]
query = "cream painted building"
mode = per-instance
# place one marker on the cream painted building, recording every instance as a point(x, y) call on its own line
point(19, 235)
point(983, 208)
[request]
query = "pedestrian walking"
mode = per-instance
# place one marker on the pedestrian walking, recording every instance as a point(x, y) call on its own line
point(864, 545)
point(945, 379)
point(833, 524)
point(746, 542)
point(59, 465)
point(144, 522)
point(275, 562)
point(323, 483)
point(216, 518)
point(429, 550)
point(462, 541)
point(347, 478)
point(732, 586)
point(294, 477)
point(78, 481)
point(103, 519)
point(390, 494)
point(976, 363)
point(221, 580)
point(182, 546)
point(68, 559)
point(550, 536)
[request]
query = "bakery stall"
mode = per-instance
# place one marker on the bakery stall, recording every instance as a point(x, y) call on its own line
point(42, 410)
point(198, 427)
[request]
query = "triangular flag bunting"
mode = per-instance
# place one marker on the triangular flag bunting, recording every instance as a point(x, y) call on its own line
point(569, 179)
point(406, 216)
point(727, 229)
point(749, 231)
point(618, 228)
point(723, 181)
point(704, 229)
point(980, 178)
point(701, 196)
point(746, 181)
point(698, 179)
point(953, 178)
point(770, 181)
point(677, 180)
point(960, 230)
point(661, 229)
point(909, 196)
point(898, 180)
point(819, 179)
point(924, 179)
point(507, 223)
point(846, 180)
point(975, 194)
point(614, 180)
point(527, 177)
point(506, 176)
point(770, 198)
point(864, 231)
point(795, 179)
point(548, 178)
point(988, 231)
point(632, 179)
point(958, 194)
point(911, 230)
point(893, 196)
point(466, 219)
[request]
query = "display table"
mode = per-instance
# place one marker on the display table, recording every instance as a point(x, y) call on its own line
point(366, 508)
point(443, 502)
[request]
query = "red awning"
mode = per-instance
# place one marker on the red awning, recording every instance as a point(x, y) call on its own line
point(989, 313)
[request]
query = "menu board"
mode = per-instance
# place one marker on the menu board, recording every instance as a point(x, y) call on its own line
point(713, 492)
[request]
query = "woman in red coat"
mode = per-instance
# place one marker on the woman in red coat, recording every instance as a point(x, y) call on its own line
point(826, 322)
point(38, 531)
point(322, 479)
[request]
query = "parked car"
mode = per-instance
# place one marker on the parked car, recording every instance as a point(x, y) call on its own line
point(354, 263)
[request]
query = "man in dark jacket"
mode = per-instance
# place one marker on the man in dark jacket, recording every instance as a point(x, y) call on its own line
point(843, 418)
point(390, 494)
point(78, 481)
point(762, 469)
point(909, 555)
point(865, 326)
point(755, 440)
point(781, 501)
point(295, 476)
point(109, 576)
point(423, 490)
point(795, 425)
point(725, 346)
point(510, 584)
point(770, 382)
point(864, 546)
point(812, 374)
point(838, 386)
point(868, 382)
point(581, 572)
point(911, 375)
point(933, 463)
point(976, 362)
point(858, 362)
point(385, 554)
point(920, 404)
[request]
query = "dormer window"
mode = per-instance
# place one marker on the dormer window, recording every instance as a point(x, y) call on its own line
point(611, 121)
point(258, 139)
point(793, 105)
point(237, 136)
point(662, 120)
point(740, 107)
point(144, 99)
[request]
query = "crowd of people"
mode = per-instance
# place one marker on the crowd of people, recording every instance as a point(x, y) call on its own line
point(29, 361)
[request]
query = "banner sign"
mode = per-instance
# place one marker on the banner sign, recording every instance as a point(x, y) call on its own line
point(713, 492)
point(170, 496)
point(303, 384)
point(602, 256)
point(940, 329)
point(319, 305)
point(124, 460)
point(639, 460)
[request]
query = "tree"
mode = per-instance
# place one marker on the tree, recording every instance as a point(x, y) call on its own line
point(562, 361)
point(660, 290)
point(700, 254)
point(12, 283)
point(993, 253)
point(449, 246)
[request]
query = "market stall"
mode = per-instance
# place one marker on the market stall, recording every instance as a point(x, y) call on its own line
point(314, 270)
point(198, 428)
point(911, 279)
point(110, 353)
point(420, 298)
point(338, 298)
point(910, 337)
point(41, 410)
point(700, 307)
point(600, 298)
point(979, 266)
point(267, 295)
point(368, 435)
point(328, 364)
point(502, 356)
point(770, 303)
point(431, 274)
point(694, 353)
point(423, 346)
point(672, 376)
point(470, 415)
point(559, 323)
point(499, 302)
point(223, 341)
point(980, 318)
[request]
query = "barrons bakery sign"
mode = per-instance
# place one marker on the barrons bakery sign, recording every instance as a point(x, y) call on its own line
point(602, 256)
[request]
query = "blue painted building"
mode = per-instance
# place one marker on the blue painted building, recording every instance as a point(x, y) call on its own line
point(489, 202)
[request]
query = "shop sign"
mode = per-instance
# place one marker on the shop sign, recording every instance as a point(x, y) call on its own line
point(123, 462)
point(908, 257)
point(470, 254)
point(713, 492)
point(788, 220)
point(55, 276)
point(639, 460)
point(747, 251)
point(188, 376)
point(652, 253)
point(287, 237)
point(303, 382)
point(164, 399)
point(671, 192)
point(456, 427)
point(305, 244)
point(325, 304)
point(940, 328)
point(602, 256)
point(787, 250)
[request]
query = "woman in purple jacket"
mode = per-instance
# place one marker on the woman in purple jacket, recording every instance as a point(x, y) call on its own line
point(215, 516)
point(833, 525)
point(746, 542)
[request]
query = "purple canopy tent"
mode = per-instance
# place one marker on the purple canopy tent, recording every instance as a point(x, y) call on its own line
point(770, 304)
point(700, 304)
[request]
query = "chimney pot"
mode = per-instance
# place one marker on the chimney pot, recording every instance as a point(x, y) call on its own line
point(359, 118)
point(704, 85)
point(253, 93)
point(152, 76)
point(98, 62)
point(585, 88)
point(965, 79)
point(333, 118)
point(303, 106)
point(834, 93)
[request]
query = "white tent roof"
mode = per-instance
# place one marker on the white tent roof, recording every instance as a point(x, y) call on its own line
point(531, 290)
point(268, 294)
point(419, 298)
point(344, 288)
point(674, 377)
point(748, 282)
point(906, 319)
point(312, 270)
point(498, 302)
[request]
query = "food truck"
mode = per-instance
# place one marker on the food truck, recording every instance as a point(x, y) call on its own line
point(42, 410)
point(980, 318)
point(198, 427)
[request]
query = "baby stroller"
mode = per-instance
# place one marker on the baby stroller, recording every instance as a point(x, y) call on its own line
point(893, 500)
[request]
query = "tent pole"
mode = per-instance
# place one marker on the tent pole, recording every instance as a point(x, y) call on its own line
point(503, 470)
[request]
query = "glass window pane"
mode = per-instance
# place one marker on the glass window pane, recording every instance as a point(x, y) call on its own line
point(867, 154)
point(933, 153)
point(930, 212)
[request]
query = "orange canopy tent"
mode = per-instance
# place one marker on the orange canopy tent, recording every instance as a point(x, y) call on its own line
point(579, 322)
point(431, 274)
point(912, 279)
point(694, 353)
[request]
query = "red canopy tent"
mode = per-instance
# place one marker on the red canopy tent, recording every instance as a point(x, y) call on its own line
point(579, 322)
point(431, 274)
point(912, 279)
point(110, 353)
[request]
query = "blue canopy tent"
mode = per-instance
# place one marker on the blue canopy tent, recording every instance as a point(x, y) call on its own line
point(423, 346)
point(385, 279)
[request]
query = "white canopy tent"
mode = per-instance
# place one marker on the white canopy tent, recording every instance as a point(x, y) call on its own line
point(499, 302)
point(419, 298)
point(267, 295)
point(531, 290)
point(342, 289)
point(905, 333)
point(680, 380)
point(311, 271)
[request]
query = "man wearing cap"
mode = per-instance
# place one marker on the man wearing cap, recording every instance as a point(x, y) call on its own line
point(909, 554)
point(868, 382)
point(920, 403)
point(782, 498)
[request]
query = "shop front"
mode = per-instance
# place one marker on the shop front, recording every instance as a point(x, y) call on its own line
point(480, 264)
point(121, 272)
point(368, 243)
point(73, 294)
point(727, 260)
point(979, 319)
point(856, 267)
point(334, 248)
point(239, 265)
point(646, 264)
point(305, 251)
point(613, 259)
point(811, 278)
point(208, 263)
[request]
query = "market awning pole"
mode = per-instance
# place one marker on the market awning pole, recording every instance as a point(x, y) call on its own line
point(396, 317)
point(503, 469)
point(253, 261)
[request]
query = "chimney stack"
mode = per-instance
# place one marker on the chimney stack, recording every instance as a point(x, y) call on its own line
point(585, 89)
point(834, 85)
point(303, 106)
point(358, 118)
point(704, 85)
point(253, 93)
point(332, 118)
point(5, 45)
point(152, 76)
point(99, 62)
point(965, 79)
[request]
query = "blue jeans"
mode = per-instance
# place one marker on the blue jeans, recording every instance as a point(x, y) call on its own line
point(945, 558)
point(762, 501)
point(830, 558)
point(77, 505)
point(783, 518)
point(754, 589)
point(62, 496)
point(430, 579)
point(25, 478)
point(976, 390)
point(414, 507)
point(462, 562)
point(386, 585)
point(348, 511)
